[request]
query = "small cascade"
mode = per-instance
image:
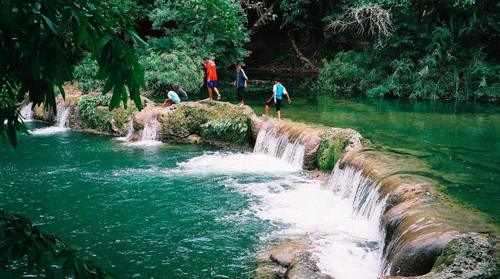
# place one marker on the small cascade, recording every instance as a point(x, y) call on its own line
point(62, 120)
point(130, 132)
point(365, 208)
point(27, 112)
point(149, 136)
point(350, 183)
point(270, 142)
point(149, 131)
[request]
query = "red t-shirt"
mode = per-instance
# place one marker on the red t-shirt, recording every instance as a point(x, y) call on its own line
point(211, 71)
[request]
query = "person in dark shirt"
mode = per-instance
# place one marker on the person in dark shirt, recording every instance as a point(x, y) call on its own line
point(240, 83)
point(181, 93)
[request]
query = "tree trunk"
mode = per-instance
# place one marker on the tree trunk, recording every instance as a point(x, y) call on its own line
point(263, 20)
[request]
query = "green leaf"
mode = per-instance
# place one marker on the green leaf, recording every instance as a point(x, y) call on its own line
point(50, 24)
point(105, 40)
point(108, 86)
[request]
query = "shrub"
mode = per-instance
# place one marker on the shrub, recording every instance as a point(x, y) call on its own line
point(163, 70)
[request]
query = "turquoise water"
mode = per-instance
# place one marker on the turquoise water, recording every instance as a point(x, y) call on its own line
point(133, 210)
point(179, 211)
point(459, 140)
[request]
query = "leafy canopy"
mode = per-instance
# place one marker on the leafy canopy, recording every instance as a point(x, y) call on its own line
point(40, 41)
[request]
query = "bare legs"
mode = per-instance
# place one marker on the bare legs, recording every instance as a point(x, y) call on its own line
point(278, 113)
point(210, 93)
point(217, 91)
point(267, 112)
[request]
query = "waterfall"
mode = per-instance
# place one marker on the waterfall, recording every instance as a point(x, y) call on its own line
point(342, 219)
point(270, 142)
point(62, 119)
point(27, 112)
point(350, 183)
point(356, 252)
point(149, 131)
point(130, 132)
point(149, 136)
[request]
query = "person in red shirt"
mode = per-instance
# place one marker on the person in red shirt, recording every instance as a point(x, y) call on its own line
point(211, 78)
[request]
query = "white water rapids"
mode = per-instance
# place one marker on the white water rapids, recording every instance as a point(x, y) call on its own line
point(62, 122)
point(340, 218)
point(27, 112)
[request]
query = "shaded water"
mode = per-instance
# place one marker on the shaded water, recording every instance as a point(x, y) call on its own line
point(179, 211)
point(459, 140)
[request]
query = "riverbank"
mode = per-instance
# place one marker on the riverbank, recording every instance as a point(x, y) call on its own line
point(415, 235)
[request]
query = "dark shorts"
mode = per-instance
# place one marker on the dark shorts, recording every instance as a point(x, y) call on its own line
point(241, 93)
point(271, 102)
point(212, 84)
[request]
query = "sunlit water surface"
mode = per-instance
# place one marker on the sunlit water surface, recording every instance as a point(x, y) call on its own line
point(177, 211)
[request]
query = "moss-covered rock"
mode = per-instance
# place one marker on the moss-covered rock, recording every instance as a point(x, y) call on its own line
point(93, 113)
point(217, 123)
point(333, 144)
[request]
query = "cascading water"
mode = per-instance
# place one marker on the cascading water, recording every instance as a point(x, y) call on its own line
point(357, 251)
point(149, 136)
point(130, 132)
point(61, 121)
point(341, 218)
point(279, 146)
point(27, 112)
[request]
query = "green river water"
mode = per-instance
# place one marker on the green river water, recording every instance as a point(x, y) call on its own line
point(186, 211)
point(460, 140)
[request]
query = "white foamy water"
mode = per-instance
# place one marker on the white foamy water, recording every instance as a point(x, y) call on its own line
point(347, 240)
point(270, 142)
point(27, 112)
point(62, 122)
point(130, 132)
point(234, 163)
point(149, 135)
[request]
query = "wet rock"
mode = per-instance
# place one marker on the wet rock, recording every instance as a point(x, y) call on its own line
point(470, 257)
point(421, 222)
point(304, 267)
point(285, 254)
point(334, 143)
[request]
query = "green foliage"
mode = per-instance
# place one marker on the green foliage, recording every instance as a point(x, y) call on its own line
point(9, 110)
point(350, 73)
point(85, 76)
point(92, 116)
point(330, 149)
point(199, 28)
point(35, 62)
point(226, 129)
point(163, 70)
point(21, 241)
point(438, 50)
point(297, 13)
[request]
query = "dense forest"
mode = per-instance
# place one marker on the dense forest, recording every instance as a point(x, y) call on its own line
point(418, 49)
point(448, 49)
point(427, 49)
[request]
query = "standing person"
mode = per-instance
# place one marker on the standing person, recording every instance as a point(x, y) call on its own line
point(240, 83)
point(181, 93)
point(173, 98)
point(211, 78)
point(278, 91)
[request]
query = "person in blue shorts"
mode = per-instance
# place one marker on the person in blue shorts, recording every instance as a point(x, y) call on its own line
point(278, 91)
